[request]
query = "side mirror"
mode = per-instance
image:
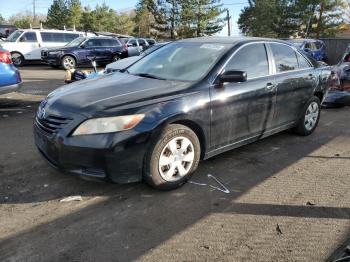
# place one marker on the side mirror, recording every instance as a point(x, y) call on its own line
point(233, 77)
point(82, 46)
point(307, 50)
point(130, 45)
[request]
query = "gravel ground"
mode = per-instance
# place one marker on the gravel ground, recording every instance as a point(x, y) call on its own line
point(288, 201)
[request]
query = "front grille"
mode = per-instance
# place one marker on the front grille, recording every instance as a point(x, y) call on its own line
point(51, 124)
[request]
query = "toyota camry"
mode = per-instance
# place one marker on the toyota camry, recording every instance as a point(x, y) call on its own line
point(188, 101)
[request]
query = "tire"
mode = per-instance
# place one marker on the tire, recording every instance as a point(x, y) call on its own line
point(310, 117)
point(68, 62)
point(167, 176)
point(116, 58)
point(17, 59)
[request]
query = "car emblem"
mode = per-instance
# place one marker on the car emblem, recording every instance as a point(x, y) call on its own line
point(41, 111)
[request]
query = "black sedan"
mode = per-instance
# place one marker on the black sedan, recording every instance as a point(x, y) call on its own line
point(187, 101)
point(80, 51)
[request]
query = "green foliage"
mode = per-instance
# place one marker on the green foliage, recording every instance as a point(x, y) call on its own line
point(285, 18)
point(201, 17)
point(58, 14)
point(2, 20)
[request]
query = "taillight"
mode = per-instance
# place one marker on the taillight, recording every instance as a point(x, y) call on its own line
point(125, 47)
point(5, 57)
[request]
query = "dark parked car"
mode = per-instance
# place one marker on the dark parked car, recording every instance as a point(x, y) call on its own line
point(314, 48)
point(124, 63)
point(339, 93)
point(151, 41)
point(189, 100)
point(79, 52)
point(6, 30)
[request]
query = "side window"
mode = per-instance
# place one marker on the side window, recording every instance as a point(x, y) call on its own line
point(142, 42)
point(70, 37)
point(29, 37)
point(58, 37)
point(46, 37)
point(285, 57)
point(251, 59)
point(133, 42)
point(303, 63)
point(93, 43)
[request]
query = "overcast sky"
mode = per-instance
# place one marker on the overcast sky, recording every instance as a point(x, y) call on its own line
point(8, 8)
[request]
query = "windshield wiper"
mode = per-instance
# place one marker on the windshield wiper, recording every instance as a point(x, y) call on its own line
point(149, 76)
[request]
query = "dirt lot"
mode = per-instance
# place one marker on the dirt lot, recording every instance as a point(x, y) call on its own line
point(288, 201)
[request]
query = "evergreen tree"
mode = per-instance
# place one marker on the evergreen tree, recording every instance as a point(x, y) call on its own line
point(58, 14)
point(285, 18)
point(201, 17)
point(167, 17)
point(144, 19)
point(75, 13)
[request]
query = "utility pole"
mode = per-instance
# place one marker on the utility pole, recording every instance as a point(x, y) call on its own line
point(228, 18)
point(34, 15)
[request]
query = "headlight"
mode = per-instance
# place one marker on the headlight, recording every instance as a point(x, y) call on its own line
point(108, 124)
point(55, 53)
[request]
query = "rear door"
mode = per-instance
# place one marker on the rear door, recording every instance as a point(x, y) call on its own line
point(294, 83)
point(243, 110)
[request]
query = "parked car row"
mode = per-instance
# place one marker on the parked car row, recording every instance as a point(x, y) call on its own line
point(36, 44)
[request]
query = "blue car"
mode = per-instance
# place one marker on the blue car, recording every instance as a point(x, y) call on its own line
point(79, 52)
point(9, 75)
point(311, 47)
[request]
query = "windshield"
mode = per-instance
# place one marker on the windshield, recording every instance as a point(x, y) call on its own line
point(14, 36)
point(296, 43)
point(182, 61)
point(76, 41)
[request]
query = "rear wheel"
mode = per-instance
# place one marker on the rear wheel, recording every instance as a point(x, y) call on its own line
point(172, 158)
point(68, 62)
point(17, 59)
point(310, 118)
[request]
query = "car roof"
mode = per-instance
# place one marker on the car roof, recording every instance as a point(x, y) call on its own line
point(232, 40)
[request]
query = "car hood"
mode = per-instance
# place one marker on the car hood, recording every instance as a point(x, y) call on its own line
point(106, 93)
point(122, 64)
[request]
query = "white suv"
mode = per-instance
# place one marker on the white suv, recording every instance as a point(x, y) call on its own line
point(25, 45)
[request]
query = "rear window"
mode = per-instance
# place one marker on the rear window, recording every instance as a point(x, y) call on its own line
point(151, 41)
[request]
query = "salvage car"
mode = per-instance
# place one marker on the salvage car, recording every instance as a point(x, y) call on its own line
point(10, 77)
point(339, 91)
point(312, 47)
point(77, 53)
point(190, 100)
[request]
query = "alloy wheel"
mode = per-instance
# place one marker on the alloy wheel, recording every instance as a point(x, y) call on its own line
point(68, 62)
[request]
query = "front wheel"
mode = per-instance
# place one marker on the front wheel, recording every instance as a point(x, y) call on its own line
point(17, 59)
point(68, 62)
point(310, 118)
point(172, 158)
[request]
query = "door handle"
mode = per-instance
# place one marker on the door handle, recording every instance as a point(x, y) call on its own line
point(310, 77)
point(270, 86)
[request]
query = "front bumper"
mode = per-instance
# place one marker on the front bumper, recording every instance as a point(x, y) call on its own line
point(10, 88)
point(117, 157)
point(50, 59)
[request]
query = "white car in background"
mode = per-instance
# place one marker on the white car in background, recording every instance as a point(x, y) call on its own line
point(26, 44)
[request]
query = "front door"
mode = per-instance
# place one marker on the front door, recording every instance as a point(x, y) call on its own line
point(29, 46)
point(243, 110)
